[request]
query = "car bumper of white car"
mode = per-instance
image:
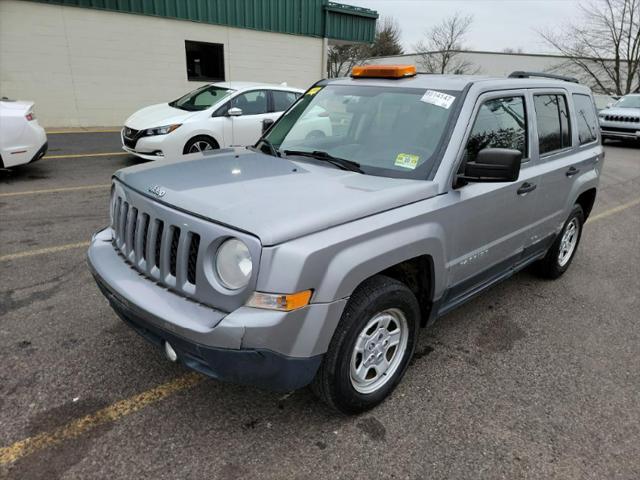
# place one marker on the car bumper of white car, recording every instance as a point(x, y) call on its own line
point(620, 130)
point(150, 148)
point(31, 147)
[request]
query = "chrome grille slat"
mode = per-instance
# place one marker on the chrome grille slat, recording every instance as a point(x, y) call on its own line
point(165, 247)
point(138, 239)
point(122, 221)
point(129, 232)
point(182, 258)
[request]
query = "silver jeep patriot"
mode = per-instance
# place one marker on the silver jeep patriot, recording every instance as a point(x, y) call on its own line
point(315, 256)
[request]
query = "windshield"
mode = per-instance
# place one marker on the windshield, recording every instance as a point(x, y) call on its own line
point(630, 101)
point(201, 98)
point(388, 131)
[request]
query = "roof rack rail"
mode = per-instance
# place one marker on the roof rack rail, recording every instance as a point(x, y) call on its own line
point(520, 74)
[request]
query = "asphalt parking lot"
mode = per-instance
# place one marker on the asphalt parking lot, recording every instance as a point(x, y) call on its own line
point(533, 379)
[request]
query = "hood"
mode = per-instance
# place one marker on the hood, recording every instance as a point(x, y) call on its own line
point(621, 112)
point(273, 198)
point(157, 116)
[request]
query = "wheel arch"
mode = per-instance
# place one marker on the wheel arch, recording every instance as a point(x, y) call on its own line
point(586, 200)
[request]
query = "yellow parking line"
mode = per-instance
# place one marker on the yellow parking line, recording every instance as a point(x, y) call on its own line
point(81, 155)
point(54, 190)
point(43, 251)
point(614, 210)
point(111, 413)
point(60, 132)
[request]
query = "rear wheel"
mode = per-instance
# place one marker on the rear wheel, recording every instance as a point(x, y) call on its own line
point(563, 250)
point(371, 348)
point(201, 143)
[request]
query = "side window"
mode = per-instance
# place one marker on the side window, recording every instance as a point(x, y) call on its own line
point(587, 121)
point(552, 118)
point(283, 100)
point(500, 123)
point(251, 103)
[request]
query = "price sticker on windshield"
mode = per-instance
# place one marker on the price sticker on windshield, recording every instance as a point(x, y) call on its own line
point(314, 90)
point(439, 99)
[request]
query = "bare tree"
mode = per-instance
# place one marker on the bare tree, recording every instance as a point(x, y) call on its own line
point(342, 58)
point(439, 51)
point(604, 48)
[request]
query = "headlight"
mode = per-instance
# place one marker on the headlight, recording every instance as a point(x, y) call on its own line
point(161, 130)
point(233, 264)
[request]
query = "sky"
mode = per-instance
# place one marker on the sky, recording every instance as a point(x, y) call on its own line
point(497, 24)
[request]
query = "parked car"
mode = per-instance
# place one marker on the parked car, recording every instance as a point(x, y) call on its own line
point(316, 259)
point(214, 116)
point(22, 139)
point(622, 120)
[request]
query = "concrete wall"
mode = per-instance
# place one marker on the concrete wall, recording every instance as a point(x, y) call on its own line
point(87, 67)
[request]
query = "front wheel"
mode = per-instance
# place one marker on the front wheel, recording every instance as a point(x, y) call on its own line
point(201, 143)
point(371, 347)
point(563, 250)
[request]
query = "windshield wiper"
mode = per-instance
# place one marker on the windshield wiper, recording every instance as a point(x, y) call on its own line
point(342, 163)
point(272, 149)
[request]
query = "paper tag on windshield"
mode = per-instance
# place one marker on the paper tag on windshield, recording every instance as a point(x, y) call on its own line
point(314, 90)
point(406, 160)
point(438, 99)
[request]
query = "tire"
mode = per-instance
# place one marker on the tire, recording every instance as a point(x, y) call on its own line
point(201, 143)
point(379, 299)
point(553, 265)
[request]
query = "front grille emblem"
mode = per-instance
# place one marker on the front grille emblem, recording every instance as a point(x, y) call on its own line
point(157, 190)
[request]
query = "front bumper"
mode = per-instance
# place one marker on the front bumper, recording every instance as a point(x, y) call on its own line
point(275, 350)
point(615, 130)
point(156, 147)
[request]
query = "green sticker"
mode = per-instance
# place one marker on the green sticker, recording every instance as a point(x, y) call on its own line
point(406, 160)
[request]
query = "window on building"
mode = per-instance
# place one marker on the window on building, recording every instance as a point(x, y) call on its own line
point(205, 61)
point(587, 121)
point(552, 118)
point(500, 123)
point(282, 100)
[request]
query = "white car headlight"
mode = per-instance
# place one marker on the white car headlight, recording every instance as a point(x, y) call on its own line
point(234, 264)
point(161, 130)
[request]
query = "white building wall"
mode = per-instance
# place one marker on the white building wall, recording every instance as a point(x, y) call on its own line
point(86, 67)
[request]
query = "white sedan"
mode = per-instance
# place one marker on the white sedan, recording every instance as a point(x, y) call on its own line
point(22, 139)
point(218, 115)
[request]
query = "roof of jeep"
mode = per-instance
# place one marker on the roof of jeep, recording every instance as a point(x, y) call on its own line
point(459, 82)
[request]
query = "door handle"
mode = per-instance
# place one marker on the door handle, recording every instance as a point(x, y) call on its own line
point(572, 171)
point(525, 188)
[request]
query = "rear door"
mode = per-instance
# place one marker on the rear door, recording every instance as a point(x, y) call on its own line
point(492, 221)
point(567, 146)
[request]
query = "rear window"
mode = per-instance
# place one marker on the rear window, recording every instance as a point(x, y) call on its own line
point(283, 100)
point(586, 119)
point(552, 118)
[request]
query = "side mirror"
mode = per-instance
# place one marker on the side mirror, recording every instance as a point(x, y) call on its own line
point(234, 112)
point(266, 125)
point(493, 165)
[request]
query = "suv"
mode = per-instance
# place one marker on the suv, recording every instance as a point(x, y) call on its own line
point(621, 121)
point(316, 260)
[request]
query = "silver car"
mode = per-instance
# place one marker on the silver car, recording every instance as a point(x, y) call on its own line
point(621, 121)
point(317, 259)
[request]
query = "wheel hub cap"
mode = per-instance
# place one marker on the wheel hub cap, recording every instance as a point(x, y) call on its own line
point(568, 242)
point(379, 350)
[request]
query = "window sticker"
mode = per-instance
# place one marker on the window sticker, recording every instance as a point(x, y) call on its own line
point(314, 90)
point(438, 99)
point(406, 160)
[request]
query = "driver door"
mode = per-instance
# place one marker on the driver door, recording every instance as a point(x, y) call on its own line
point(246, 128)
